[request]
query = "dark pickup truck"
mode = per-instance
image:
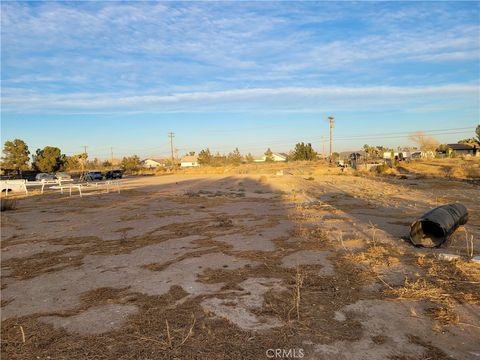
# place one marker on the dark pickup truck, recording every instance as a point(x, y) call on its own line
point(114, 174)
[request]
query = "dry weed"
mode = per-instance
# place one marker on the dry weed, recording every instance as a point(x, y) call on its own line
point(469, 243)
point(421, 289)
point(8, 204)
point(299, 279)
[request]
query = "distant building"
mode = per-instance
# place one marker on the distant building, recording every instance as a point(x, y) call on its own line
point(400, 155)
point(277, 157)
point(153, 163)
point(189, 161)
point(347, 155)
point(463, 149)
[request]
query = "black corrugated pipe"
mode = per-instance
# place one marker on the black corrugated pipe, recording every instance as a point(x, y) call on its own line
point(436, 226)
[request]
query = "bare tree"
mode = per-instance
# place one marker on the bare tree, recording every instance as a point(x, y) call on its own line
point(424, 142)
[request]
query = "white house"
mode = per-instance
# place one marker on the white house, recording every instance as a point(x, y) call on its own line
point(189, 161)
point(277, 157)
point(153, 163)
point(397, 155)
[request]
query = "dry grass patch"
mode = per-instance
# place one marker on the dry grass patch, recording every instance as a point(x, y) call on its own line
point(8, 204)
point(456, 168)
point(421, 289)
point(376, 257)
point(41, 263)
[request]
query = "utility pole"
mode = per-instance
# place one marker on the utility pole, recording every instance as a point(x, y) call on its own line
point(323, 147)
point(171, 135)
point(83, 162)
point(111, 157)
point(331, 121)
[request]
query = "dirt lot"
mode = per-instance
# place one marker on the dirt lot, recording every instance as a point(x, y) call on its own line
point(240, 267)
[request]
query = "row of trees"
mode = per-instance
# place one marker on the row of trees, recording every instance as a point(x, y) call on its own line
point(16, 157)
point(205, 157)
point(301, 152)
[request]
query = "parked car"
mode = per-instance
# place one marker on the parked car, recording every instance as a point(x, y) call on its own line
point(114, 174)
point(44, 177)
point(94, 176)
point(62, 176)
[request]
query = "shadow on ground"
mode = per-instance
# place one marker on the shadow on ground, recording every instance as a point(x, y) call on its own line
point(213, 267)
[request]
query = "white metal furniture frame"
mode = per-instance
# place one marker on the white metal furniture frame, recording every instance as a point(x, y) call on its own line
point(44, 183)
point(79, 187)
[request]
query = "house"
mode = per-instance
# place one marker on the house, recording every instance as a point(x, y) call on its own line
point(189, 161)
point(277, 157)
point(398, 155)
point(153, 163)
point(346, 156)
point(421, 155)
point(463, 149)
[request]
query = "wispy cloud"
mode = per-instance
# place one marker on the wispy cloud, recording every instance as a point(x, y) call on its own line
point(262, 99)
point(137, 46)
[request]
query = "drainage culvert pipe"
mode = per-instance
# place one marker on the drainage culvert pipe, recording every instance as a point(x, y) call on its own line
point(436, 226)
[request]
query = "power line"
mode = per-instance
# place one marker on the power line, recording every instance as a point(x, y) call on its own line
point(431, 132)
point(280, 142)
point(398, 136)
point(254, 146)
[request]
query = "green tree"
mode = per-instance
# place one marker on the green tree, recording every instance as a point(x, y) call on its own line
point(374, 151)
point(218, 160)
point(106, 164)
point(443, 148)
point(130, 163)
point(235, 158)
point(249, 158)
point(83, 159)
point(380, 150)
point(471, 141)
point(49, 159)
point(16, 155)
point(303, 151)
point(477, 131)
point(72, 162)
point(369, 150)
point(269, 156)
point(205, 157)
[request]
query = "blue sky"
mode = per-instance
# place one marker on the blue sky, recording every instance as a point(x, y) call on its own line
point(246, 74)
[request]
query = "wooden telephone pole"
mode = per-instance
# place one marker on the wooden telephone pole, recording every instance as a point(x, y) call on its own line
point(331, 121)
point(111, 158)
point(171, 135)
point(83, 162)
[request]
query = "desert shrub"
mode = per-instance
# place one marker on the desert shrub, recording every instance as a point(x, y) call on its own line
point(8, 204)
point(381, 169)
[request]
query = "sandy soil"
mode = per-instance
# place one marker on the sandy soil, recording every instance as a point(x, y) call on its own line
point(241, 266)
